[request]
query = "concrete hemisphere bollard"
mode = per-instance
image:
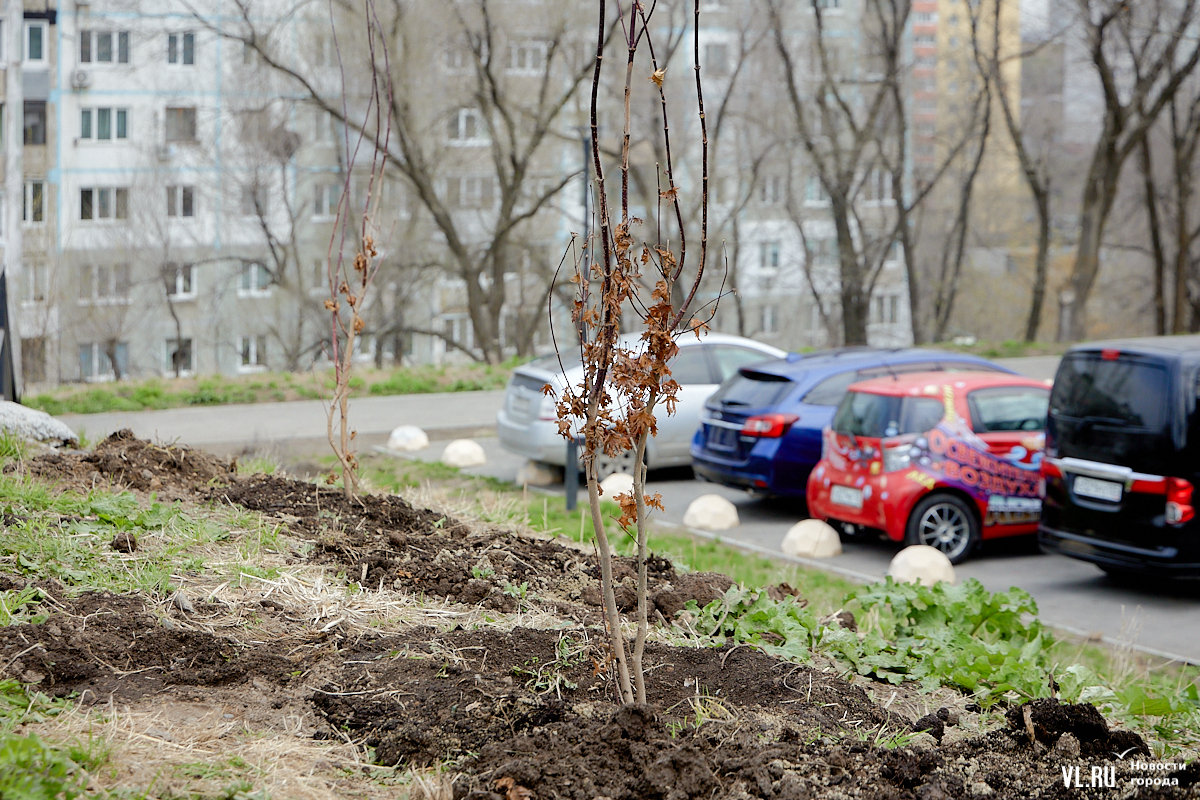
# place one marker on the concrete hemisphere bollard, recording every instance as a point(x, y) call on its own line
point(617, 483)
point(535, 473)
point(464, 453)
point(812, 538)
point(922, 564)
point(711, 512)
point(407, 438)
point(34, 425)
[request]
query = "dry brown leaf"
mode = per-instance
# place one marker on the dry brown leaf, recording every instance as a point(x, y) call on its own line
point(657, 76)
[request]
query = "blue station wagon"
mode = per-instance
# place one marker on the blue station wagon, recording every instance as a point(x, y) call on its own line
point(761, 430)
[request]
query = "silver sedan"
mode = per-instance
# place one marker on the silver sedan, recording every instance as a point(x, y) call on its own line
point(527, 423)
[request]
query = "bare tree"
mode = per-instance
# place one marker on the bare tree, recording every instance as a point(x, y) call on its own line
point(1142, 53)
point(614, 406)
point(475, 114)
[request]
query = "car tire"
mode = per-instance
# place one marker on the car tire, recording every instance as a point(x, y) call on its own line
point(946, 522)
point(610, 465)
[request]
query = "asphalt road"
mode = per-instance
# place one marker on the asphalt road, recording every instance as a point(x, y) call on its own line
point(1070, 594)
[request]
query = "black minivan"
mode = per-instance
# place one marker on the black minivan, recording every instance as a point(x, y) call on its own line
point(1123, 455)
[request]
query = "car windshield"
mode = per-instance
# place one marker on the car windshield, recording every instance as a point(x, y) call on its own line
point(751, 390)
point(879, 416)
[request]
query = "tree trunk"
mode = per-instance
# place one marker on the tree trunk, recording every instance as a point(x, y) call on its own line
point(1183, 242)
point(1098, 196)
point(734, 274)
point(1041, 261)
point(855, 308)
point(1156, 245)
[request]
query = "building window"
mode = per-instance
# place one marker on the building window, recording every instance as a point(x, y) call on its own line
point(103, 123)
point(96, 360)
point(326, 197)
point(33, 208)
point(103, 47)
point(771, 192)
point(814, 191)
point(886, 309)
point(465, 127)
point(181, 284)
point(768, 256)
point(35, 43)
point(770, 323)
point(254, 280)
point(458, 329)
point(103, 284)
point(181, 48)
point(181, 124)
point(326, 129)
point(181, 201)
point(254, 353)
point(716, 59)
point(527, 57)
point(35, 282)
point(877, 187)
point(179, 357)
point(35, 122)
point(103, 203)
point(471, 191)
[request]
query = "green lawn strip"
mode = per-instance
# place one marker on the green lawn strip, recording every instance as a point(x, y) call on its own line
point(265, 387)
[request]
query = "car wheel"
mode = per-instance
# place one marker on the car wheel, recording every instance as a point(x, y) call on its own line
point(610, 465)
point(946, 522)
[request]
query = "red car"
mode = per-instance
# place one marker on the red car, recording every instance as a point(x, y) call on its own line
point(937, 458)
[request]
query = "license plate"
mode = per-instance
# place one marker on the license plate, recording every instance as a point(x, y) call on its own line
point(846, 496)
point(723, 438)
point(1100, 490)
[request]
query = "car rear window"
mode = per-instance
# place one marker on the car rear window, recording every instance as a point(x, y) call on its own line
point(1118, 391)
point(878, 416)
point(752, 390)
point(830, 391)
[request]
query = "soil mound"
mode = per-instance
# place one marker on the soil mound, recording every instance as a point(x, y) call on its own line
point(384, 542)
point(111, 645)
point(427, 697)
point(175, 471)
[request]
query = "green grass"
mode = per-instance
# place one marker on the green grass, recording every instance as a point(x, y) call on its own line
point(67, 536)
point(160, 393)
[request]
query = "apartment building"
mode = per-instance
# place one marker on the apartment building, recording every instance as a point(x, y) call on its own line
point(183, 176)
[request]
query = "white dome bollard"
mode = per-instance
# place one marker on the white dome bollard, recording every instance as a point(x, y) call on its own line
point(617, 483)
point(534, 473)
point(812, 538)
point(464, 453)
point(407, 438)
point(923, 564)
point(711, 512)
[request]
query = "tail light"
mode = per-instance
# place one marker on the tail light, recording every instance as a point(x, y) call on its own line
point(1179, 501)
point(768, 426)
point(897, 454)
